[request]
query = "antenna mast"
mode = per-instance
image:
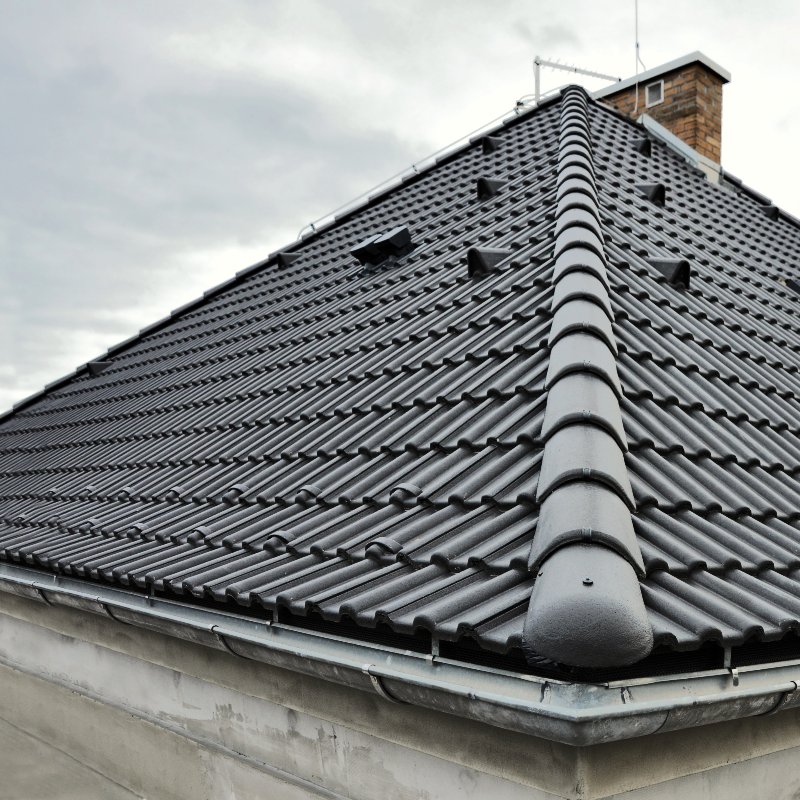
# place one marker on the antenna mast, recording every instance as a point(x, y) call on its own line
point(639, 62)
point(539, 62)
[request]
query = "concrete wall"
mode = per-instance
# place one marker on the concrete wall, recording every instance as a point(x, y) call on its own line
point(156, 717)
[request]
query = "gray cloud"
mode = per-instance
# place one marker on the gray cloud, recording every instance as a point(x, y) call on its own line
point(149, 150)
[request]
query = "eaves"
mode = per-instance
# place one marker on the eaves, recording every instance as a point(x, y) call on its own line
point(572, 713)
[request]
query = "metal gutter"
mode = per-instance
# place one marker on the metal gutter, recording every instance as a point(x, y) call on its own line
point(572, 713)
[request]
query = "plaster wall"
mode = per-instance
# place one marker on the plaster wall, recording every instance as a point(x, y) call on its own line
point(159, 717)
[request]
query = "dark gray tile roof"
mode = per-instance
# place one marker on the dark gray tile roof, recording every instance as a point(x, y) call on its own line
point(369, 437)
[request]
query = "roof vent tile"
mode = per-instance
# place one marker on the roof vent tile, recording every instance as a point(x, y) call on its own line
point(489, 187)
point(286, 258)
point(655, 192)
point(644, 147)
point(96, 367)
point(482, 260)
point(677, 271)
point(770, 211)
point(490, 144)
point(383, 247)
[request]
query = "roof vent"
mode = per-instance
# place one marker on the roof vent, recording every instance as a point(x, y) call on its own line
point(770, 211)
point(490, 144)
point(489, 187)
point(793, 284)
point(383, 247)
point(643, 146)
point(676, 270)
point(286, 259)
point(654, 192)
point(96, 367)
point(482, 260)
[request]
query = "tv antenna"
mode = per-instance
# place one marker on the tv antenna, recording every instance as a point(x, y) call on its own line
point(539, 62)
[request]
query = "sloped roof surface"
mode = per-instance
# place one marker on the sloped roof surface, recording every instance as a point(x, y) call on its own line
point(367, 443)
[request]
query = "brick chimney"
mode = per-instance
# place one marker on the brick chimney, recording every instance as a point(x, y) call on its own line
point(685, 96)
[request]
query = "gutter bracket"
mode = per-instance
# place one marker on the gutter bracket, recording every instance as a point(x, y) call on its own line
point(221, 639)
point(38, 589)
point(378, 685)
point(786, 697)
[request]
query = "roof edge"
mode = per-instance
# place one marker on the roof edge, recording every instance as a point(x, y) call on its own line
point(572, 713)
point(586, 608)
point(682, 61)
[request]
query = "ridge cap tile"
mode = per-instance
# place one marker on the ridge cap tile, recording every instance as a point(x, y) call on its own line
point(586, 609)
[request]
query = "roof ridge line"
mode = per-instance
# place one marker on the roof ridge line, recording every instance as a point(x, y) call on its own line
point(586, 608)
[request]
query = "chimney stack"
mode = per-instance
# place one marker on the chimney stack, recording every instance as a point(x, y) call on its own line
point(685, 96)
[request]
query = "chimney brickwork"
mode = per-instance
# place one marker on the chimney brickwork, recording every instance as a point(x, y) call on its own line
point(691, 109)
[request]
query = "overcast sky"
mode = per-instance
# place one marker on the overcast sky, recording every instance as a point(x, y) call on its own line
point(148, 150)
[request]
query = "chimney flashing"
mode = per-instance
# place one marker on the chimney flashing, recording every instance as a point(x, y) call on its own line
point(711, 169)
point(703, 163)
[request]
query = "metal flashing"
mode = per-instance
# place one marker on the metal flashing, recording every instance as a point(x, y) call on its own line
point(586, 608)
point(710, 168)
point(656, 72)
point(383, 247)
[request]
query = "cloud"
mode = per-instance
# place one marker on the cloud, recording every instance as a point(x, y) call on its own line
point(148, 148)
point(547, 38)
